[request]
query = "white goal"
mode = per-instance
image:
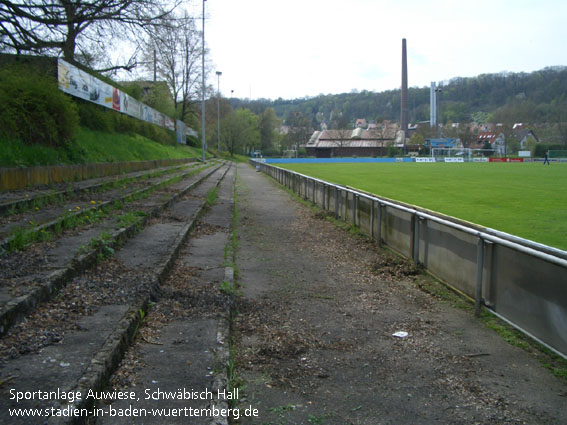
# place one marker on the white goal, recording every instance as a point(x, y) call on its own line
point(290, 153)
point(467, 154)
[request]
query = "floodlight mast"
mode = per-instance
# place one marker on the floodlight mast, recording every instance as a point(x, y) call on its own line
point(203, 143)
point(437, 124)
point(219, 73)
point(404, 94)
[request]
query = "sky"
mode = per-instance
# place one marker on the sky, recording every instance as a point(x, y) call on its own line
point(300, 48)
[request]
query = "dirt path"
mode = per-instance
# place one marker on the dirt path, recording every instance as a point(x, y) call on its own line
point(315, 324)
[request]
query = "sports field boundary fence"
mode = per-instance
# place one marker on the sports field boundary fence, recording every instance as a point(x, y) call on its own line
point(522, 282)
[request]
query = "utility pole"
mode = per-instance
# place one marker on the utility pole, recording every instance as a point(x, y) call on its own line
point(218, 111)
point(203, 143)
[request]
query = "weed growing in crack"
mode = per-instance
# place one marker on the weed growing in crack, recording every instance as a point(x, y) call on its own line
point(227, 288)
point(102, 244)
point(212, 197)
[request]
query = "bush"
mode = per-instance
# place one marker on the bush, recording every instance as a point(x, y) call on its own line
point(193, 141)
point(98, 118)
point(392, 151)
point(273, 152)
point(34, 110)
point(95, 117)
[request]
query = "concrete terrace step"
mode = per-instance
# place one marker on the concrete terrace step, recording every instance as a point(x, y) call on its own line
point(48, 278)
point(188, 351)
point(24, 198)
point(49, 217)
point(93, 341)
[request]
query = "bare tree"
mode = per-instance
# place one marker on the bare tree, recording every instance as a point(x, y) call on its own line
point(75, 28)
point(300, 130)
point(173, 51)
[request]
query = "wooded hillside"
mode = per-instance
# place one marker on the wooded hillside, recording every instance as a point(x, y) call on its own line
point(537, 97)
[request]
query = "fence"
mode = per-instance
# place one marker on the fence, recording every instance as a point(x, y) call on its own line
point(520, 281)
point(20, 178)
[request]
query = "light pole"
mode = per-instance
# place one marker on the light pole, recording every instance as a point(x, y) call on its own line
point(218, 111)
point(437, 90)
point(203, 143)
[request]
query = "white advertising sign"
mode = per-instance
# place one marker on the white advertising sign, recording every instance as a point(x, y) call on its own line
point(81, 84)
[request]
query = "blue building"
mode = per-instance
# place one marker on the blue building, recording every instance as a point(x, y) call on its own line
point(443, 143)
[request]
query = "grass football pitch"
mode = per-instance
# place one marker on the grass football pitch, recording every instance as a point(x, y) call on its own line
point(524, 199)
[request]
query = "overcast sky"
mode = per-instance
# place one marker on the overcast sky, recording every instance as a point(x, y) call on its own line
point(297, 48)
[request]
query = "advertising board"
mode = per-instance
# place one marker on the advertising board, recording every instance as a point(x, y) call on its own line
point(81, 84)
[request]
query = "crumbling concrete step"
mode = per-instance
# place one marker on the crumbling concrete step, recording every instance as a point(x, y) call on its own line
point(85, 357)
point(176, 384)
point(70, 261)
point(47, 218)
point(24, 198)
point(183, 378)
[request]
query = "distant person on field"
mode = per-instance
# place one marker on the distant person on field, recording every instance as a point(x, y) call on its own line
point(546, 158)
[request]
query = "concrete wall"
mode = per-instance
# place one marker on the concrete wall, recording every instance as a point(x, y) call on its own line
point(522, 282)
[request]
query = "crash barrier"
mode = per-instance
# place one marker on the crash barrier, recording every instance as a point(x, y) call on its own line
point(520, 281)
point(20, 178)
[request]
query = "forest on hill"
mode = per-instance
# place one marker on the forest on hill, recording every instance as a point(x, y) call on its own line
point(536, 97)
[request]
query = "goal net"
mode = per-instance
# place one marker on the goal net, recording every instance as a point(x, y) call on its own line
point(558, 153)
point(290, 153)
point(468, 154)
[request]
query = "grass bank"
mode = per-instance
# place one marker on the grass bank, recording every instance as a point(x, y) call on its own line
point(92, 146)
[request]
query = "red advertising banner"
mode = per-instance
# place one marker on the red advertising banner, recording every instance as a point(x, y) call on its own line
point(498, 159)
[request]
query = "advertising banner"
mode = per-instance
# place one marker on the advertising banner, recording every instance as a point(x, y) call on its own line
point(132, 107)
point(81, 84)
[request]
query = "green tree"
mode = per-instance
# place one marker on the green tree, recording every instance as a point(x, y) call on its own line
point(416, 139)
point(268, 125)
point(159, 97)
point(240, 132)
point(300, 129)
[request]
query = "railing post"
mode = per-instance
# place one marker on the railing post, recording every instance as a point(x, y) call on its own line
point(336, 202)
point(479, 270)
point(371, 218)
point(412, 237)
point(416, 236)
point(314, 198)
point(379, 224)
point(354, 208)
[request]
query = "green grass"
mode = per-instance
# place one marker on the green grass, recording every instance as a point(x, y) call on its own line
point(92, 146)
point(115, 147)
point(527, 200)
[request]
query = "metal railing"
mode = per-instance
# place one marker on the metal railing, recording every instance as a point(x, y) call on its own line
point(520, 281)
